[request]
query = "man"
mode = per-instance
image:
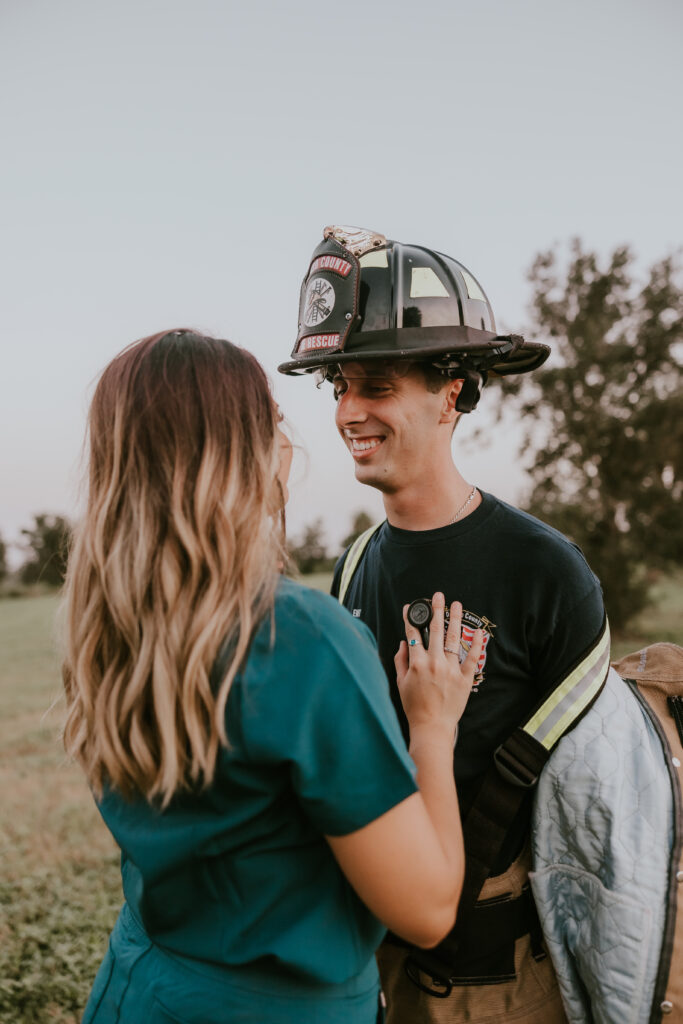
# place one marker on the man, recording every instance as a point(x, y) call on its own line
point(407, 338)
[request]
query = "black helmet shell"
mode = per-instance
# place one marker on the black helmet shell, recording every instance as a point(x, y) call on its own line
point(367, 297)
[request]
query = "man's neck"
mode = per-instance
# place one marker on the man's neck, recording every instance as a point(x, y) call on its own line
point(432, 503)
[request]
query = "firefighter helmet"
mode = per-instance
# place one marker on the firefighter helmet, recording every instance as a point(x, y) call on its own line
point(366, 297)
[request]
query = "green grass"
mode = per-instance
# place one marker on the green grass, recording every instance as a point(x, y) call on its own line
point(60, 891)
point(317, 580)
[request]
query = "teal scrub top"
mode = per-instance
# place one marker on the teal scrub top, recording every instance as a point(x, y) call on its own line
point(240, 874)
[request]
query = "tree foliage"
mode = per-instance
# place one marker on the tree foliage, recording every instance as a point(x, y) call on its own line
point(360, 523)
point(46, 544)
point(3, 559)
point(605, 416)
point(310, 554)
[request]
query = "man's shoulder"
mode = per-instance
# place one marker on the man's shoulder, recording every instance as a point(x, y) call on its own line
point(513, 525)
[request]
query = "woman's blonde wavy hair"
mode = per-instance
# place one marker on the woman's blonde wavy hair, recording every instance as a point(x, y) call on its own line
point(178, 552)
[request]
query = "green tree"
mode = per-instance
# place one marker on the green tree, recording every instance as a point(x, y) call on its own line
point(360, 523)
point(3, 559)
point(310, 554)
point(605, 416)
point(46, 543)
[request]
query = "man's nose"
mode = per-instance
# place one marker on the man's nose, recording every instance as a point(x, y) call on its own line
point(350, 408)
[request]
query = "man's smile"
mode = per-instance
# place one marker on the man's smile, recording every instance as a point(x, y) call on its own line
point(362, 447)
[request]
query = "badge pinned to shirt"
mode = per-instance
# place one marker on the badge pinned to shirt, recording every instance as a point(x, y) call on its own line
point(470, 623)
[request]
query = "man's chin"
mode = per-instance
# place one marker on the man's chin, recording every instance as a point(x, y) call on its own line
point(374, 476)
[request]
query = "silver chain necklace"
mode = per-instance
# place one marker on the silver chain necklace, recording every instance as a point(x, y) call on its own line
point(468, 499)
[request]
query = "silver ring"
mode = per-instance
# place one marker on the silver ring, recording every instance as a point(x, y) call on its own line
point(451, 650)
point(413, 642)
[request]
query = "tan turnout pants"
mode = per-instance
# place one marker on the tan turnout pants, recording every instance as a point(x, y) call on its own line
point(532, 998)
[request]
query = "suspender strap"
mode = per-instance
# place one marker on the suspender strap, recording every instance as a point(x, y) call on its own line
point(352, 560)
point(518, 762)
point(489, 958)
point(516, 766)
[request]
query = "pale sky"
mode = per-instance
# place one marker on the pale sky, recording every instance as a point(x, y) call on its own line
point(168, 163)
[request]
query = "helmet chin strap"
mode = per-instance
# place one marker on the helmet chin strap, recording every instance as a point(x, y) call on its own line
point(470, 392)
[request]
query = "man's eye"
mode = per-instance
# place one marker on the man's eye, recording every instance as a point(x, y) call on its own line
point(339, 390)
point(376, 389)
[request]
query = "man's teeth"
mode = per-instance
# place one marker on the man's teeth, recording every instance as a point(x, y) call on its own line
point(363, 446)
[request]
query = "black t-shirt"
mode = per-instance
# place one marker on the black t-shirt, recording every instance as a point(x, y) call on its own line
point(525, 584)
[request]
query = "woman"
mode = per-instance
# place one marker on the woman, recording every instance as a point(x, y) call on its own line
point(234, 726)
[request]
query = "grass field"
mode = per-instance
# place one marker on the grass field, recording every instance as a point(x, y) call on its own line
point(60, 891)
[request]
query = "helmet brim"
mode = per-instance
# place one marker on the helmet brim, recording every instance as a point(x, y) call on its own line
point(466, 346)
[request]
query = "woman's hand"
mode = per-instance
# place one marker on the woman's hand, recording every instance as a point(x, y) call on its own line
point(433, 685)
point(408, 865)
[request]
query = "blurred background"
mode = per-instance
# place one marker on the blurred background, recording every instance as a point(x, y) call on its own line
point(171, 164)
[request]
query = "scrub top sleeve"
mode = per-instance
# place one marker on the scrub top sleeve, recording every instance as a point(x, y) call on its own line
point(334, 728)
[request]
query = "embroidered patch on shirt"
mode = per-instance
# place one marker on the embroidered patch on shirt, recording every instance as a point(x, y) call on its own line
point(470, 622)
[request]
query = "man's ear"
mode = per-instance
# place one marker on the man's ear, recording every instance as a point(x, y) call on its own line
point(449, 414)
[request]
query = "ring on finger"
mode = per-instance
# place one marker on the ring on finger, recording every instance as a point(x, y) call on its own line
point(451, 650)
point(414, 642)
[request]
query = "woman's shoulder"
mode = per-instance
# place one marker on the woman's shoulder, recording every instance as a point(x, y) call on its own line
point(314, 612)
point(310, 631)
point(310, 643)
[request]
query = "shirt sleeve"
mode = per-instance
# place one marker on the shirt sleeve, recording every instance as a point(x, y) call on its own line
point(328, 719)
point(574, 617)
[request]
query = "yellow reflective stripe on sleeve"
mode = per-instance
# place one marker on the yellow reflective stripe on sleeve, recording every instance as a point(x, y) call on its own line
point(573, 695)
point(353, 558)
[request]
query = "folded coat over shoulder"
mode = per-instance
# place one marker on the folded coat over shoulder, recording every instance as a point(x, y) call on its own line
point(606, 849)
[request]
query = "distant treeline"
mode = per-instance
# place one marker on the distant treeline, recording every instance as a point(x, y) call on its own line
point(45, 547)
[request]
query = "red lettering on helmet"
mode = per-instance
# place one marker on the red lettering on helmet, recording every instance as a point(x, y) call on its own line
point(315, 341)
point(333, 263)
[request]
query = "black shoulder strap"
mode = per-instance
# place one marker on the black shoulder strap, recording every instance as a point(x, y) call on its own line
point(517, 764)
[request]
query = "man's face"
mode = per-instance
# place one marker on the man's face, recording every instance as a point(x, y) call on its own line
point(391, 424)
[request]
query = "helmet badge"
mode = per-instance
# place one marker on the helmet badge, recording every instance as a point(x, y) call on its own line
point(356, 240)
point(318, 301)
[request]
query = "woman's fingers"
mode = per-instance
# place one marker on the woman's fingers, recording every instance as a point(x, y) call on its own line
point(401, 661)
point(474, 653)
point(412, 635)
point(436, 626)
point(452, 643)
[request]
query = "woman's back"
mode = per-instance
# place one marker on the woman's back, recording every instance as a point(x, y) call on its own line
point(240, 872)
